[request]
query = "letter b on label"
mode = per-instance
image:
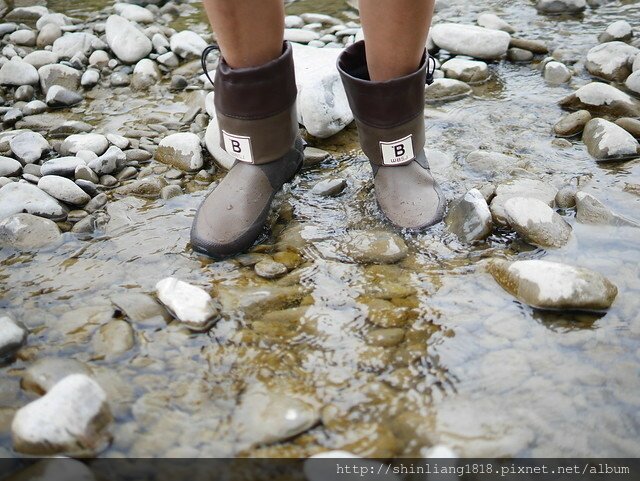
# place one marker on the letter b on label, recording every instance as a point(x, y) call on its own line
point(238, 146)
point(397, 152)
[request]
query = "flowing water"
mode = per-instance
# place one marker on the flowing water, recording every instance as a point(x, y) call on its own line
point(471, 367)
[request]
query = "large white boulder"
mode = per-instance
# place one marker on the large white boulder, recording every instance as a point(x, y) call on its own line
point(471, 40)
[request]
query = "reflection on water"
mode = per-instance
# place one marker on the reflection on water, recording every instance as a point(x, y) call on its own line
point(395, 357)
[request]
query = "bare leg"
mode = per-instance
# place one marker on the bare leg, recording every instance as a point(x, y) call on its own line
point(395, 32)
point(249, 32)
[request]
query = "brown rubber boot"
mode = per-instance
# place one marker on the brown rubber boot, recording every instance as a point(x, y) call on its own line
point(390, 120)
point(256, 113)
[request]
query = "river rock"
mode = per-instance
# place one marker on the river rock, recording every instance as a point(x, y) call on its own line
point(141, 309)
point(13, 335)
point(64, 166)
point(322, 103)
point(145, 74)
point(529, 188)
point(71, 419)
point(561, 6)
point(90, 78)
point(108, 162)
point(148, 187)
point(27, 232)
point(182, 151)
point(113, 338)
point(551, 285)
point(212, 141)
point(29, 146)
point(329, 187)
point(72, 43)
point(24, 37)
point(556, 73)
point(516, 54)
point(58, 74)
point(135, 13)
point(572, 124)
point(566, 197)
point(127, 42)
point(187, 44)
point(299, 35)
point(611, 60)
point(28, 14)
point(492, 21)
point(191, 305)
point(478, 42)
point(604, 99)
point(373, 247)
point(536, 222)
point(17, 72)
point(269, 269)
point(444, 89)
point(40, 58)
point(59, 19)
point(617, 31)
point(19, 197)
point(9, 167)
point(48, 35)
point(469, 218)
point(607, 141)
point(533, 46)
point(58, 96)
point(470, 71)
point(264, 417)
point(630, 125)
point(96, 143)
point(45, 373)
point(590, 210)
point(24, 93)
point(633, 82)
point(63, 189)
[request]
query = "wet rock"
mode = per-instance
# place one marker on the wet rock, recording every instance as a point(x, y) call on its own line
point(469, 218)
point(470, 71)
point(99, 59)
point(127, 42)
point(97, 203)
point(533, 46)
point(72, 419)
point(150, 187)
point(314, 156)
point(373, 247)
point(630, 125)
point(90, 78)
point(561, 6)
point(96, 143)
point(28, 15)
point(633, 82)
point(478, 42)
point(9, 167)
point(12, 116)
point(556, 73)
point(61, 97)
point(119, 79)
point(264, 417)
point(48, 35)
point(572, 124)
point(70, 127)
point(141, 309)
point(270, 269)
point(443, 89)
point(72, 43)
point(322, 102)
point(520, 188)
point(29, 146)
point(108, 162)
point(551, 285)
point(190, 305)
point(45, 373)
point(536, 222)
point(182, 151)
point(601, 98)
point(566, 197)
point(58, 74)
point(63, 166)
point(27, 232)
point(590, 210)
point(145, 74)
point(607, 141)
point(611, 60)
point(492, 21)
point(135, 13)
point(169, 59)
point(118, 140)
point(519, 55)
point(63, 189)
point(329, 187)
point(13, 336)
point(113, 338)
point(16, 72)
point(40, 58)
point(187, 43)
point(19, 197)
point(385, 337)
point(170, 191)
point(617, 31)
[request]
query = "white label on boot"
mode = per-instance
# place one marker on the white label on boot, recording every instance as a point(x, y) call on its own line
point(238, 146)
point(397, 152)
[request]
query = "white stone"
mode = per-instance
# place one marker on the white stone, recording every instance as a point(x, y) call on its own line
point(23, 37)
point(19, 197)
point(446, 89)
point(96, 143)
point(118, 140)
point(58, 74)
point(90, 78)
point(134, 13)
point(322, 102)
point(40, 58)
point(191, 305)
point(160, 43)
point(556, 73)
point(471, 40)
point(64, 166)
point(72, 43)
point(636, 64)
point(492, 21)
point(125, 40)
point(17, 72)
point(620, 30)
point(607, 141)
point(145, 74)
point(528, 188)
point(633, 82)
point(561, 6)
point(99, 58)
point(603, 98)
point(59, 96)
point(63, 189)
point(27, 232)
point(181, 150)
point(293, 21)
point(300, 36)
point(12, 334)
point(536, 222)
point(169, 59)
point(187, 43)
point(59, 19)
point(611, 60)
point(29, 146)
point(212, 141)
point(470, 218)
point(9, 167)
point(72, 418)
point(470, 71)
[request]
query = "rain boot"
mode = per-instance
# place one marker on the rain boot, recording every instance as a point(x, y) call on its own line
point(390, 120)
point(255, 108)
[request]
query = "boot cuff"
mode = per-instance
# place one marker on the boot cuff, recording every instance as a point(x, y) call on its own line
point(381, 104)
point(256, 92)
